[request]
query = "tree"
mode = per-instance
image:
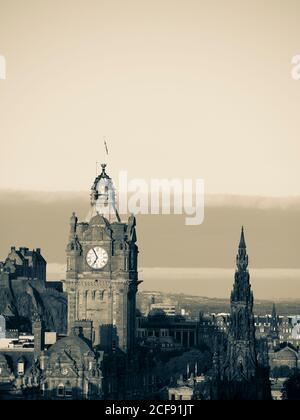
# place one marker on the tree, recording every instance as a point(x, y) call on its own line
point(291, 388)
point(191, 360)
point(282, 372)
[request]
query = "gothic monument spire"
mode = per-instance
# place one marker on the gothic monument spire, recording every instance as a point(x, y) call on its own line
point(241, 361)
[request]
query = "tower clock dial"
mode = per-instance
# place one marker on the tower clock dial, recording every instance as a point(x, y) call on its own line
point(97, 258)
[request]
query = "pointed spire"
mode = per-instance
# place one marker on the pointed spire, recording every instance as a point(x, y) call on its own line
point(242, 257)
point(241, 361)
point(274, 323)
point(73, 226)
point(242, 244)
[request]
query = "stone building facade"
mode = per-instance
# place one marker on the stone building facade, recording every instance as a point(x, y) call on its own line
point(102, 278)
point(70, 369)
point(166, 333)
point(98, 358)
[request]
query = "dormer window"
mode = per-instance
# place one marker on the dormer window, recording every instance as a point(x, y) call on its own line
point(21, 367)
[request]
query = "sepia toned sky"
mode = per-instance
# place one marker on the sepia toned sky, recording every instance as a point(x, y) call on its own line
point(180, 88)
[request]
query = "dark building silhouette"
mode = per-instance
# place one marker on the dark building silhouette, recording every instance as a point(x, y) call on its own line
point(241, 361)
point(21, 267)
point(238, 376)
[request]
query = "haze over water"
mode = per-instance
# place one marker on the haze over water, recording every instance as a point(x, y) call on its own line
point(210, 282)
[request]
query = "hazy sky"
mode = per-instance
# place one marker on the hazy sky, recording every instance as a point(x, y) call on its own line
point(184, 88)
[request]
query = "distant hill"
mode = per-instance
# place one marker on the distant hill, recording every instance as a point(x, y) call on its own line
point(272, 230)
point(196, 304)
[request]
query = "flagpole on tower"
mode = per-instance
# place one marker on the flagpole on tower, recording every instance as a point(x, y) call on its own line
point(105, 149)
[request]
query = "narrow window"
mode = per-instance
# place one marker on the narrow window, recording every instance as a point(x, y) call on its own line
point(61, 391)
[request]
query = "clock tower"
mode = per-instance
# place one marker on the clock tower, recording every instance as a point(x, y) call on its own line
point(102, 278)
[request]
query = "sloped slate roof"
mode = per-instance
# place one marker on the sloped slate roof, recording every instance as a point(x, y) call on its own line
point(75, 344)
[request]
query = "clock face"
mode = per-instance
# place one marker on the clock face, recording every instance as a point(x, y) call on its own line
point(64, 371)
point(97, 258)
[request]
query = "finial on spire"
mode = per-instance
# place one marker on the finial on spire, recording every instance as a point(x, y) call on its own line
point(242, 240)
point(103, 173)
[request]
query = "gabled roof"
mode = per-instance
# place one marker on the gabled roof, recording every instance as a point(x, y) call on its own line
point(72, 345)
point(288, 353)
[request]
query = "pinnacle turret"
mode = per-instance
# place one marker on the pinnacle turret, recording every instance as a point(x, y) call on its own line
point(242, 257)
point(242, 244)
point(274, 331)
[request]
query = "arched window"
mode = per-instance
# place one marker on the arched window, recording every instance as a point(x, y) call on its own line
point(68, 390)
point(61, 390)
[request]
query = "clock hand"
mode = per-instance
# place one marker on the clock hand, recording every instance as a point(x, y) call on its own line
point(96, 255)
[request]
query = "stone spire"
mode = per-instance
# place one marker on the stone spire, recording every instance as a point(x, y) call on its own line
point(241, 289)
point(242, 240)
point(73, 226)
point(273, 335)
point(274, 321)
point(39, 333)
point(73, 244)
point(241, 361)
